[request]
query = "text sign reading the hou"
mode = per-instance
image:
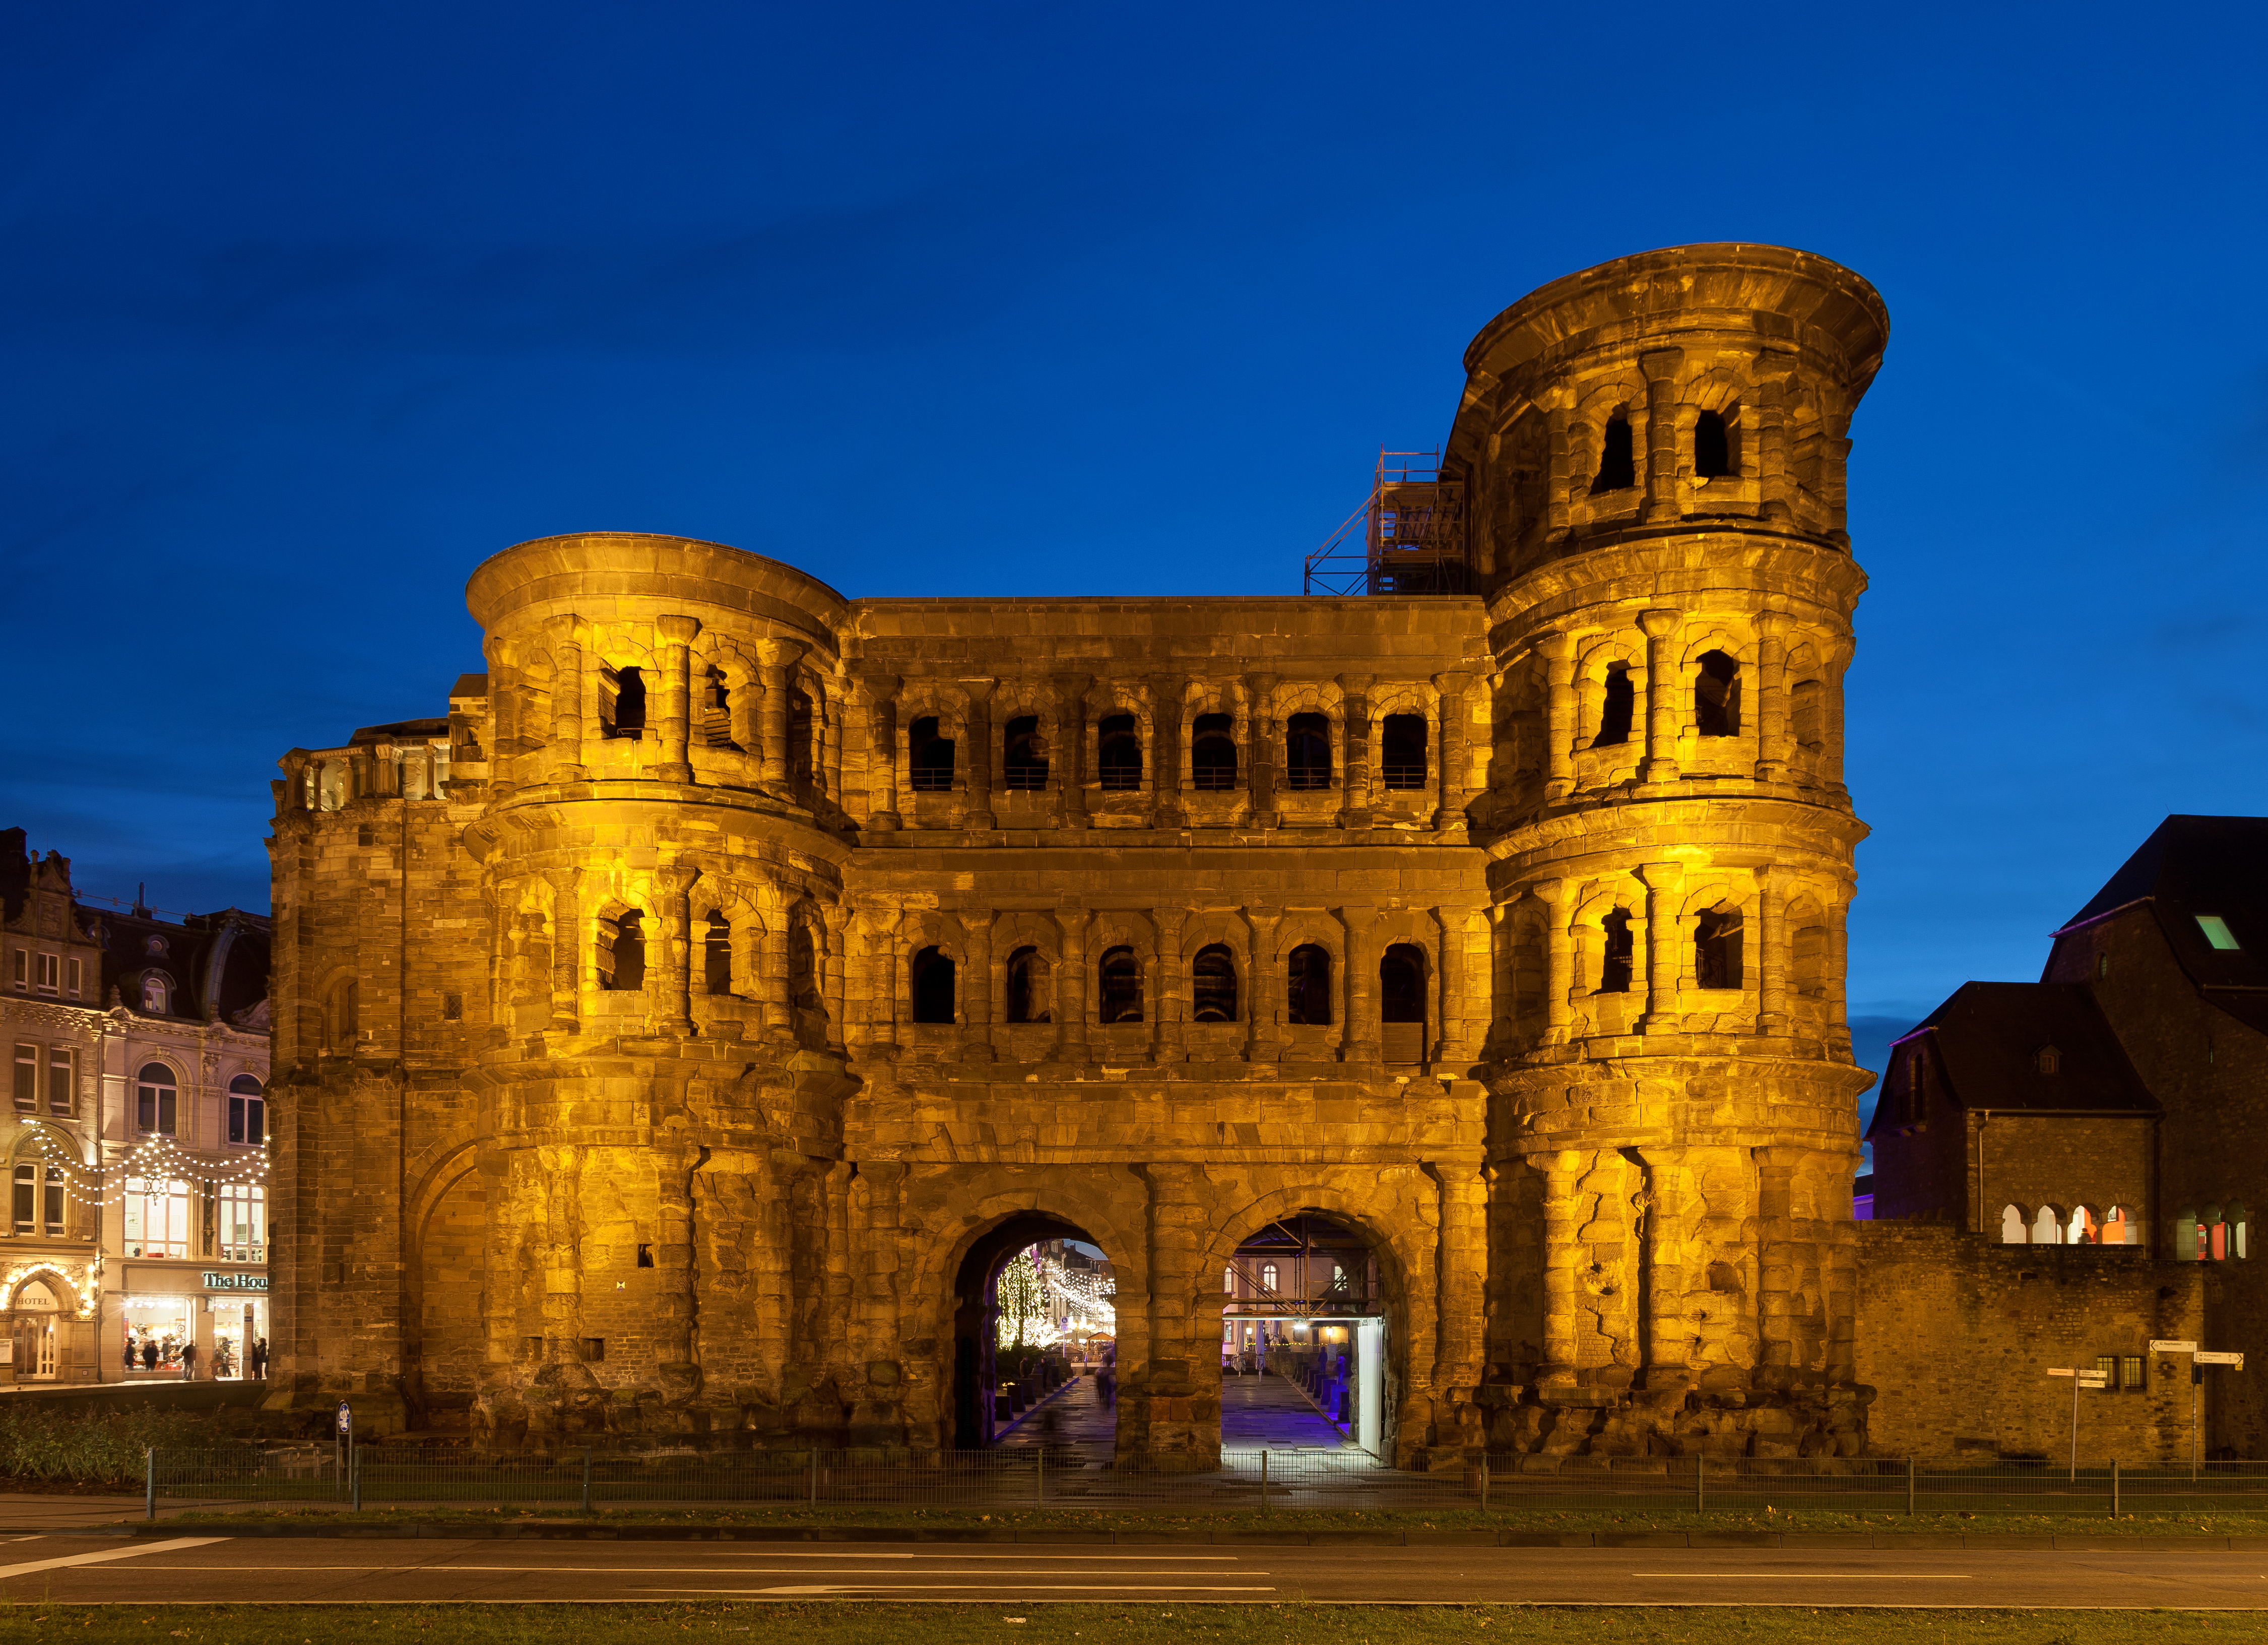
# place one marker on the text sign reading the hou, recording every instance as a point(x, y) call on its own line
point(236, 1282)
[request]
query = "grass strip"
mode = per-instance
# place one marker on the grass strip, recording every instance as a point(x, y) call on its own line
point(822, 1622)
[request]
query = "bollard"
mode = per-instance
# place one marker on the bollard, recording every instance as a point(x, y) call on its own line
point(586, 1478)
point(149, 1497)
point(1910, 1485)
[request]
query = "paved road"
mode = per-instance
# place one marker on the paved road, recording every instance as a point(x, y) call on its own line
point(64, 1568)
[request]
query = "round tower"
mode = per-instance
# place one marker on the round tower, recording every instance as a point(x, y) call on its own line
point(1654, 450)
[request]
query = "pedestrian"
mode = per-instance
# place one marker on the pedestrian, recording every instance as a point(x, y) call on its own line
point(259, 1358)
point(188, 1362)
point(149, 1353)
point(129, 1353)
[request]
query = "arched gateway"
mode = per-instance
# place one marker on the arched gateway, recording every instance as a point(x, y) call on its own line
point(760, 967)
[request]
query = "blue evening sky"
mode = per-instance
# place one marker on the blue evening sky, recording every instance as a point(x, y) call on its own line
point(307, 309)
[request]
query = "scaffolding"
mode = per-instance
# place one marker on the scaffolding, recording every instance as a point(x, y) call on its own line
point(1407, 538)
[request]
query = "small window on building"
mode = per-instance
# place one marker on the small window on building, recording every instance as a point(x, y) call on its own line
point(77, 974)
point(594, 1349)
point(1118, 752)
point(26, 1198)
point(716, 955)
point(804, 992)
point(1617, 707)
point(2118, 1228)
point(155, 995)
point(2122, 1373)
point(1212, 753)
point(61, 1100)
point(248, 1111)
point(800, 740)
point(51, 1202)
point(2013, 1229)
point(27, 1079)
point(1308, 986)
point(1717, 445)
point(1227, 1281)
point(1614, 963)
point(1402, 751)
point(625, 714)
point(2216, 931)
point(2083, 1228)
point(1213, 975)
point(365, 835)
point(1717, 695)
point(343, 1016)
point(645, 1255)
point(1267, 1276)
point(2047, 1060)
point(931, 767)
point(49, 973)
point(1026, 751)
point(1716, 948)
point(1402, 983)
point(2213, 1235)
point(1617, 466)
point(932, 985)
point(621, 952)
point(1307, 753)
point(1121, 992)
point(1030, 991)
point(155, 1096)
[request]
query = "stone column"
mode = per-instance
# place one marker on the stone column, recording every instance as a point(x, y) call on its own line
point(1663, 505)
point(882, 752)
point(772, 977)
point(1166, 760)
point(1663, 1243)
point(1558, 653)
point(676, 634)
point(1070, 982)
point(777, 663)
point(1775, 1266)
point(1836, 467)
point(878, 973)
point(976, 985)
point(672, 999)
point(1773, 487)
point(835, 987)
point(1455, 1052)
point(1458, 1348)
point(566, 948)
point(1771, 707)
point(562, 638)
point(1831, 762)
point(1176, 1391)
point(1838, 971)
point(1266, 754)
point(1662, 882)
point(1171, 999)
point(1455, 761)
point(1360, 1043)
point(1263, 993)
point(1068, 765)
point(743, 693)
point(1771, 952)
point(1354, 770)
point(1662, 682)
point(1560, 959)
point(1560, 481)
point(1562, 1172)
point(975, 772)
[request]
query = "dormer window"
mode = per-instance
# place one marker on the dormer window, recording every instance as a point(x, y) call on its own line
point(154, 994)
point(2047, 1060)
point(2217, 932)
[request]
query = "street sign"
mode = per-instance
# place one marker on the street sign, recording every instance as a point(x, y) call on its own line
point(2062, 1370)
point(2092, 1379)
point(2172, 1348)
point(2237, 1359)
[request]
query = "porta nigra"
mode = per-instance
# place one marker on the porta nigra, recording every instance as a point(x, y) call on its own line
point(676, 1036)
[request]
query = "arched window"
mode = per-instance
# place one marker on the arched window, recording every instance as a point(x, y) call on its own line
point(932, 979)
point(343, 1016)
point(1267, 1276)
point(2213, 1235)
point(716, 955)
point(1402, 751)
point(157, 996)
point(155, 1096)
point(713, 708)
point(1617, 706)
point(800, 740)
point(2118, 1227)
point(1617, 467)
point(1716, 948)
point(1026, 751)
point(622, 711)
point(1402, 983)
point(1212, 753)
point(1030, 992)
point(2047, 1060)
point(2013, 1231)
point(2083, 1228)
point(1805, 718)
point(1308, 986)
point(2047, 1226)
point(331, 786)
point(1717, 695)
point(2239, 1230)
point(1227, 1281)
point(931, 764)
point(1118, 751)
point(804, 992)
point(247, 1111)
point(1307, 752)
point(1213, 975)
point(1614, 963)
point(1717, 445)
point(1121, 986)
point(621, 952)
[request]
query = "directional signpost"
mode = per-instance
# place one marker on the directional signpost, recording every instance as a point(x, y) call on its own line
point(2079, 1380)
point(2198, 1359)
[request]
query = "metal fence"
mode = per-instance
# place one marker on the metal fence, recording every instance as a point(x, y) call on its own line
point(592, 1480)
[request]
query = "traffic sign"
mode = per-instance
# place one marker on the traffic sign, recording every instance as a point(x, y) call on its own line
point(2237, 1359)
point(2172, 1348)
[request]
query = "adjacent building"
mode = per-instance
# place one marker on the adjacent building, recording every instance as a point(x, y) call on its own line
point(136, 1138)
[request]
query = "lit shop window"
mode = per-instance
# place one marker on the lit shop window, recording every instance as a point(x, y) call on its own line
point(243, 1222)
point(157, 1217)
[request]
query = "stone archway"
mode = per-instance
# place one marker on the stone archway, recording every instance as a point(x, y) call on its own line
point(1307, 1334)
point(981, 1407)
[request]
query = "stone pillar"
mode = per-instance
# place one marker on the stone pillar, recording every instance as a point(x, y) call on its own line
point(672, 999)
point(881, 752)
point(1177, 1390)
point(1560, 959)
point(1559, 485)
point(1771, 952)
point(1773, 488)
point(1175, 991)
point(566, 948)
point(1663, 1239)
point(676, 633)
point(1663, 505)
point(772, 979)
point(1354, 769)
point(1558, 653)
point(1662, 970)
point(878, 971)
point(1839, 972)
point(1771, 709)
point(743, 693)
point(976, 985)
point(1360, 1043)
point(1070, 982)
point(1775, 1267)
point(879, 1337)
point(1265, 753)
point(1830, 764)
point(977, 769)
point(1455, 1052)
point(1166, 760)
point(1455, 761)
point(1068, 765)
point(1263, 991)
point(1662, 681)
point(1562, 1172)
point(1836, 470)
point(835, 986)
point(777, 664)
point(1458, 1348)
point(564, 640)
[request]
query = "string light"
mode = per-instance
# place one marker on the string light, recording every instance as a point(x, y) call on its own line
point(155, 1157)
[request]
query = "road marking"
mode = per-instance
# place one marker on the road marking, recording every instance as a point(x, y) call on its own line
point(168, 1546)
point(636, 1570)
point(1805, 1576)
point(808, 1590)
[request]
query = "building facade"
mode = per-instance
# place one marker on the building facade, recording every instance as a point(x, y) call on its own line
point(677, 1035)
point(136, 1164)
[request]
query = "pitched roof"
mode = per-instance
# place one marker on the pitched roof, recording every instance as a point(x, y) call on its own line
point(2191, 869)
point(1987, 1037)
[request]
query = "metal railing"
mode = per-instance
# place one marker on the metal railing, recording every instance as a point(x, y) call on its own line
point(593, 1480)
